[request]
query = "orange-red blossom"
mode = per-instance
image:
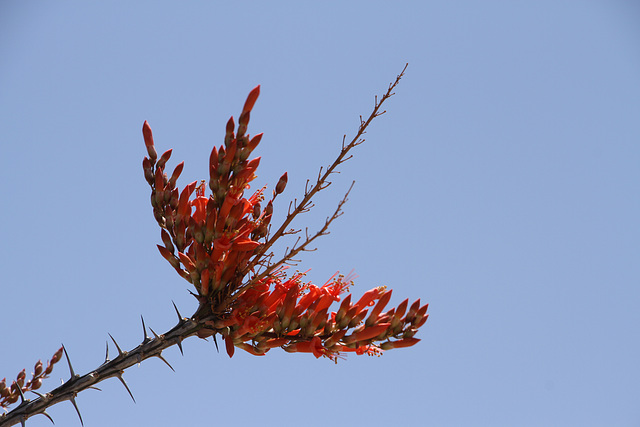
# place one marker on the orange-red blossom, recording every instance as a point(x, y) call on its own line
point(210, 240)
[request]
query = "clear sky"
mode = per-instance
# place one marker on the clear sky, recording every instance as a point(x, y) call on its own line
point(502, 187)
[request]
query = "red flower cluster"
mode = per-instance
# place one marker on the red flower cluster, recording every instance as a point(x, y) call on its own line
point(283, 312)
point(210, 246)
point(214, 242)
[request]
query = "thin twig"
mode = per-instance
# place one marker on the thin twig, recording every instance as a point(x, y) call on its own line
point(321, 183)
point(303, 247)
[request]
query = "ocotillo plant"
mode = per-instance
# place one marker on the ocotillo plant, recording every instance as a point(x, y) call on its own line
point(221, 244)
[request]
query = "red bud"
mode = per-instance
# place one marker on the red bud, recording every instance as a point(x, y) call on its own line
point(251, 99)
point(163, 159)
point(186, 261)
point(56, 356)
point(367, 333)
point(384, 300)
point(282, 183)
point(213, 160)
point(148, 140)
point(407, 342)
point(230, 126)
point(38, 368)
point(176, 173)
point(253, 143)
point(228, 343)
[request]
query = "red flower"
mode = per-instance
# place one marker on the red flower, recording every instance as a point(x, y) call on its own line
point(220, 244)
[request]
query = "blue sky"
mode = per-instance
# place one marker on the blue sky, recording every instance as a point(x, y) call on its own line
point(501, 187)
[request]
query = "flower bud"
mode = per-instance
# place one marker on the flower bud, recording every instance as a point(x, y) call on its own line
point(36, 384)
point(148, 170)
point(173, 202)
point(412, 311)
point(259, 232)
point(282, 183)
point(420, 316)
point(422, 321)
point(344, 307)
point(164, 158)
point(37, 370)
point(13, 397)
point(243, 121)
point(228, 137)
point(367, 333)
point(386, 345)
point(176, 173)
point(251, 99)
point(357, 319)
point(406, 342)
point(335, 338)
point(256, 210)
point(346, 320)
point(409, 333)
point(56, 356)
point(251, 145)
point(401, 308)
point(228, 343)
point(4, 390)
point(148, 141)
point(166, 254)
point(384, 300)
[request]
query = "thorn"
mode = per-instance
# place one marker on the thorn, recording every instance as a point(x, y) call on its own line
point(73, 374)
point(120, 352)
point(73, 401)
point(180, 318)
point(215, 341)
point(144, 331)
point(95, 388)
point(106, 357)
point(24, 399)
point(48, 416)
point(179, 342)
point(159, 356)
point(126, 386)
point(22, 423)
point(154, 333)
point(40, 395)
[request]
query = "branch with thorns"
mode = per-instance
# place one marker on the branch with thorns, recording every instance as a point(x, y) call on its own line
point(221, 245)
